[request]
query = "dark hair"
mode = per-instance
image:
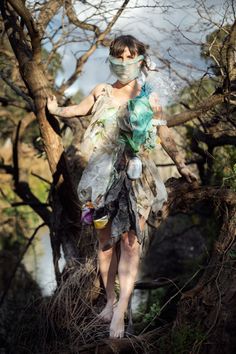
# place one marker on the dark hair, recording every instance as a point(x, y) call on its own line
point(118, 45)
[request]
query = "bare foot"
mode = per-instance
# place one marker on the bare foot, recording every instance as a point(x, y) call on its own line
point(107, 313)
point(117, 327)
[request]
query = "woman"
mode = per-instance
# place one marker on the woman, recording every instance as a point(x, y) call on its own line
point(120, 183)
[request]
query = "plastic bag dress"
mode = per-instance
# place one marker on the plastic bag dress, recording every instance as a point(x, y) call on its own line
point(115, 134)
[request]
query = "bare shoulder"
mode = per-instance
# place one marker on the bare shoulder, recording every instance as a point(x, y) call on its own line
point(97, 90)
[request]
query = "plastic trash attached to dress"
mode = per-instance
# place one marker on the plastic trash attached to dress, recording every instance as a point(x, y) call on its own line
point(117, 134)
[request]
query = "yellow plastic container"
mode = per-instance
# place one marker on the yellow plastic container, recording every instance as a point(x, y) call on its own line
point(101, 223)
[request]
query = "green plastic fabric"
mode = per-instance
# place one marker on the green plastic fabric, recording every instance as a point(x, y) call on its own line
point(140, 121)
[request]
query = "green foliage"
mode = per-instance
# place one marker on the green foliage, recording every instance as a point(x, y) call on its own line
point(6, 127)
point(223, 170)
point(32, 132)
point(224, 166)
point(191, 95)
point(39, 188)
point(8, 121)
point(54, 64)
point(148, 312)
point(182, 339)
point(14, 102)
point(78, 96)
point(213, 51)
point(19, 222)
point(232, 254)
point(153, 312)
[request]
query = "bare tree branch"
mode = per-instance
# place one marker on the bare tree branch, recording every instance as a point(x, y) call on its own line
point(18, 91)
point(193, 193)
point(204, 107)
point(21, 187)
point(81, 24)
point(231, 54)
point(82, 60)
point(47, 12)
point(212, 142)
point(26, 16)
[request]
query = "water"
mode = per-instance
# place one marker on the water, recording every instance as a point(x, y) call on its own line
point(39, 262)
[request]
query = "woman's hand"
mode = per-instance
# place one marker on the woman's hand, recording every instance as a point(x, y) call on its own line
point(185, 172)
point(52, 104)
point(154, 103)
point(170, 147)
point(78, 110)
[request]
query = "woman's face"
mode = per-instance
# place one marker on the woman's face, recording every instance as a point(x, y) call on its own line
point(126, 67)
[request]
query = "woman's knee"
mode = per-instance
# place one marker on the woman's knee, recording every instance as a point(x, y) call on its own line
point(129, 241)
point(104, 236)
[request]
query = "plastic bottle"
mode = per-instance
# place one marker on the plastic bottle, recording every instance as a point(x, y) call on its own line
point(134, 169)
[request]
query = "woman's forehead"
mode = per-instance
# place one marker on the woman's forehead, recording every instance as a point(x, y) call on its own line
point(127, 51)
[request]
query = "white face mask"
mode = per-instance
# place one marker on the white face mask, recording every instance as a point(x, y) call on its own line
point(125, 71)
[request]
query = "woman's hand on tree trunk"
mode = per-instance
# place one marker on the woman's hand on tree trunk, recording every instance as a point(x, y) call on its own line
point(52, 104)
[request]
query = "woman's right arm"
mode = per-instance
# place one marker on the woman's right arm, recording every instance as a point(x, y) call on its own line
point(81, 109)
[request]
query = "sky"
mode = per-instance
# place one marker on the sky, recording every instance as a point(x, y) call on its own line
point(153, 26)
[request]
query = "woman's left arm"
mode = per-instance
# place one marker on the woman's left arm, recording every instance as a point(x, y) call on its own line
point(169, 145)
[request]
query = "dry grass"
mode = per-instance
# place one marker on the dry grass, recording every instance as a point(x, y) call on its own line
point(66, 320)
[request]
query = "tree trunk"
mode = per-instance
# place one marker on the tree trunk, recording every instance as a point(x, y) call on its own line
point(64, 228)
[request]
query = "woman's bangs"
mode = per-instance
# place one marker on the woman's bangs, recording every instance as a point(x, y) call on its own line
point(119, 46)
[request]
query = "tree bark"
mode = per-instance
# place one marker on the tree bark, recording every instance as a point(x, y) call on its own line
point(31, 69)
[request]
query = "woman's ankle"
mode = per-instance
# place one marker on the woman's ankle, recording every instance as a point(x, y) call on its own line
point(121, 307)
point(111, 301)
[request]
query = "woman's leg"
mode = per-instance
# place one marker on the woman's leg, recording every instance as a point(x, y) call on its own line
point(127, 271)
point(107, 261)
